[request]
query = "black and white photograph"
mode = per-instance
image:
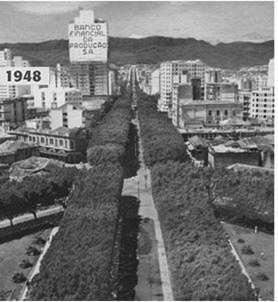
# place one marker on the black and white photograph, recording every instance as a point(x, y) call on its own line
point(137, 150)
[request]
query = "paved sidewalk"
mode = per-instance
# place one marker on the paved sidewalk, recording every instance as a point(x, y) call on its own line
point(153, 274)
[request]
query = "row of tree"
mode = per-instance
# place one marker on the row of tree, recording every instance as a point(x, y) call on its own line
point(161, 140)
point(109, 138)
point(34, 192)
point(80, 263)
point(199, 256)
point(201, 264)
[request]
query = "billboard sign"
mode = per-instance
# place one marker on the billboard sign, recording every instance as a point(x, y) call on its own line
point(88, 41)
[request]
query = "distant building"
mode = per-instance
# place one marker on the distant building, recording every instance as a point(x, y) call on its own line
point(221, 92)
point(177, 72)
point(262, 104)
point(201, 113)
point(12, 112)
point(213, 75)
point(94, 102)
point(68, 116)
point(181, 94)
point(155, 80)
point(270, 76)
point(245, 99)
point(91, 79)
point(196, 89)
point(65, 144)
point(53, 97)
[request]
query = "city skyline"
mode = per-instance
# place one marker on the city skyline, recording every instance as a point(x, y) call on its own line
point(41, 21)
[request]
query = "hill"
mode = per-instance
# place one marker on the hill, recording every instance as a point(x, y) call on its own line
point(153, 50)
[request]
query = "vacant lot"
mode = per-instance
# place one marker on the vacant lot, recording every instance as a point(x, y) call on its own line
point(12, 254)
point(257, 254)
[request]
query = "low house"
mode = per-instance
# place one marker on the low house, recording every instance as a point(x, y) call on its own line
point(230, 153)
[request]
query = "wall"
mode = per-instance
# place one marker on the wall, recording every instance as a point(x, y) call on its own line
point(227, 159)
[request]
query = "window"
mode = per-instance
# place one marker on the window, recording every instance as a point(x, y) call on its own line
point(42, 140)
point(226, 112)
point(217, 112)
point(209, 113)
point(56, 142)
point(51, 141)
point(61, 142)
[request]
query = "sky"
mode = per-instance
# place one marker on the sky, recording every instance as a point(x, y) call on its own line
point(214, 22)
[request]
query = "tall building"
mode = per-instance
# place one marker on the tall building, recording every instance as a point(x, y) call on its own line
point(196, 89)
point(270, 76)
point(181, 94)
point(155, 79)
point(177, 72)
point(91, 79)
point(221, 92)
point(262, 104)
point(213, 75)
point(88, 50)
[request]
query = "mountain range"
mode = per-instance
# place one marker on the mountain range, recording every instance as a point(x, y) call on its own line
point(153, 50)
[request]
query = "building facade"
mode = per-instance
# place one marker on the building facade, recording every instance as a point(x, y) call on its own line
point(201, 113)
point(91, 79)
point(65, 144)
point(54, 97)
point(155, 80)
point(262, 105)
point(12, 112)
point(177, 72)
point(68, 116)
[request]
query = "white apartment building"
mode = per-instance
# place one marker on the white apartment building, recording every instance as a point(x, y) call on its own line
point(54, 97)
point(68, 116)
point(181, 95)
point(177, 72)
point(270, 76)
point(155, 80)
point(262, 104)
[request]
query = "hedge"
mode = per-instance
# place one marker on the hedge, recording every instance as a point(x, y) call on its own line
point(35, 191)
point(161, 140)
point(78, 264)
point(201, 263)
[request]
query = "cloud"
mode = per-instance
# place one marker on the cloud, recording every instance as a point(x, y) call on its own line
point(46, 8)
